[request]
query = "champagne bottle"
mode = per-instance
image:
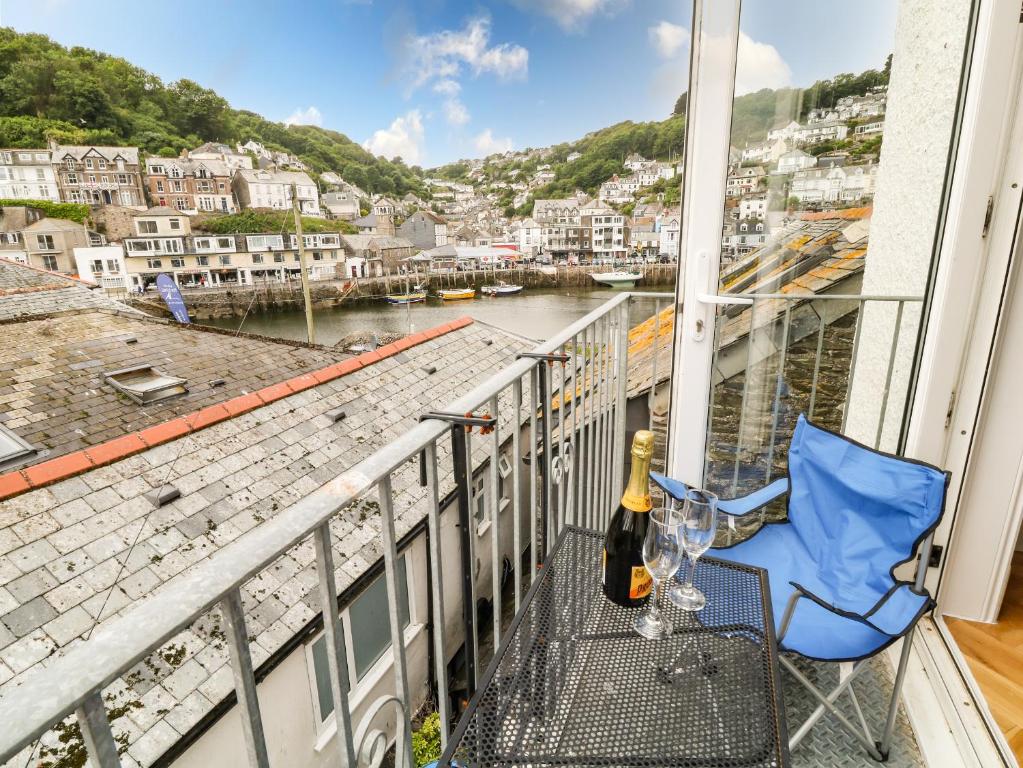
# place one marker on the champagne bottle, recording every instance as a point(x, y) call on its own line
point(626, 580)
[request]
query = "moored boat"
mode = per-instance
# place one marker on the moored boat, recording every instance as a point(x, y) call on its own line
point(456, 294)
point(500, 289)
point(617, 279)
point(411, 297)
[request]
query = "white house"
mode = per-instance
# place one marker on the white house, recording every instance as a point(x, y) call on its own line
point(213, 150)
point(27, 174)
point(103, 265)
point(573, 156)
point(825, 130)
point(754, 207)
point(616, 190)
point(530, 237)
point(795, 160)
point(264, 188)
point(838, 183)
point(669, 226)
point(635, 162)
point(868, 129)
point(765, 152)
point(783, 131)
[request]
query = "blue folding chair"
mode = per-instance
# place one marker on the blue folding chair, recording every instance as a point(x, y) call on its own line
point(854, 515)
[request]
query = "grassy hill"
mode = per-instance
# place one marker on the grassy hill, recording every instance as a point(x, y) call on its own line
point(77, 95)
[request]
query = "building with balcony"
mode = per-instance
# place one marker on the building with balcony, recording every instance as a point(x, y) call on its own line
point(98, 175)
point(270, 188)
point(822, 130)
point(27, 174)
point(103, 265)
point(50, 243)
point(191, 185)
point(608, 232)
point(847, 183)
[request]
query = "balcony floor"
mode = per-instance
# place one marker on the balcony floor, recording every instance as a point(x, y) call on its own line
point(995, 655)
point(828, 745)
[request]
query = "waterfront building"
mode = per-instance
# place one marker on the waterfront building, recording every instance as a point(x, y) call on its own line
point(607, 231)
point(369, 255)
point(98, 175)
point(103, 265)
point(191, 186)
point(27, 174)
point(425, 229)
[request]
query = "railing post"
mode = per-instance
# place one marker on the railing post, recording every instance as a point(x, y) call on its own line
point(95, 727)
point(545, 464)
point(336, 662)
point(466, 534)
point(244, 680)
point(516, 502)
point(622, 401)
point(437, 589)
point(495, 523)
point(396, 599)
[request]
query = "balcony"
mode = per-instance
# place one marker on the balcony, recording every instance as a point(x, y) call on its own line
point(563, 416)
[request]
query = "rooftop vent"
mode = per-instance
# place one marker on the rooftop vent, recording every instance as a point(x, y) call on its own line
point(165, 494)
point(336, 415)
point(217, 382)
point(430, 369)
point(145, 384)
point(13, 450)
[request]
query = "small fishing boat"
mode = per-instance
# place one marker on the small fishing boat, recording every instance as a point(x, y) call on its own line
point(411, 297)
point(617, 279)
point(456, 294)
point(500, 289)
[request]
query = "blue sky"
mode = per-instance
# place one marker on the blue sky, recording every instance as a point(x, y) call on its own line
point(435, 80)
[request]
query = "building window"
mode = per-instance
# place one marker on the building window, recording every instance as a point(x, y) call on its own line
point(156, 170)
point(257, 258)
point(225, 242)
point(97, 266)
point(367, 621)
point(89, 163)
point(279, 258)
point(154, 263)
point(159, 186)
point(175, 223)
point(147, 227)
point(203, 261)
point(45, 242)
point(72, 178)
point(102, 165)
point(225, 261)
point(69, 163)
point(122, 178)
point(50, 262)
point(178, 262)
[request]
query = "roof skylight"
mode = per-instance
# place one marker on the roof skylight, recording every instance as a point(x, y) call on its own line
point(146, 384)
point(13, 449)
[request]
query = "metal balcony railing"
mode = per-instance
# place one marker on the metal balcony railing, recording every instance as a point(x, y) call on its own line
point(562, 408)
point(520, 403)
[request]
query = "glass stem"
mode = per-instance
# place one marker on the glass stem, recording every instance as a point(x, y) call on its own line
point(691, 572)
point(655, 612)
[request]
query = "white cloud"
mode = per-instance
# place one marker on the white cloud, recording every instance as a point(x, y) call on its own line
point(759, 66)
point(310, 116)
point(571, 15)
point(445, 55)
point(455, 112)
point(404, 137)
point(487, 144)
point(667, 38)
point(447, 87)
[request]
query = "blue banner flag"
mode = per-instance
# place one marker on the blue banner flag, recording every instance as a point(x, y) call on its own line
point(172, 297)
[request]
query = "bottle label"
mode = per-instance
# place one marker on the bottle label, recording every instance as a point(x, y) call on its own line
point(642, 583)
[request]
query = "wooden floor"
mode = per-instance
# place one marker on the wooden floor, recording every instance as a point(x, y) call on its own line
point(995, 655)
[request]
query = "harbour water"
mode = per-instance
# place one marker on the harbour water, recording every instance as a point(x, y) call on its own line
point(535, 313)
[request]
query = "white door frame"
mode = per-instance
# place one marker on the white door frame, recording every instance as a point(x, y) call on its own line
point(713, 54)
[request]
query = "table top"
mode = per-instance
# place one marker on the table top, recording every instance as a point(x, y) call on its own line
point(573, 684)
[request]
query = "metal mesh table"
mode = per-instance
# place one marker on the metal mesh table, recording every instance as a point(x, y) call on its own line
point(572, 684)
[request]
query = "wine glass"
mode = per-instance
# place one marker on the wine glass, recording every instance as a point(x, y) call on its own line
point(662, 555)
point(699, 524)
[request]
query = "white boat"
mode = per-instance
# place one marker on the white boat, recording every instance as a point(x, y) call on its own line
point(617, 279)
point(501, 289)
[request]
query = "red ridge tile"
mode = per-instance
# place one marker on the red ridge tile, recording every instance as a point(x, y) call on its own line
point(272, 393)
point(116, 449)
point(207, 417)
point(301, 383)
point(158, 434)
point(243, 404)
point(12, 484)
point(57, 469)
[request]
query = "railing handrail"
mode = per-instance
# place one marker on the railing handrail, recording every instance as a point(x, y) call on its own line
point(826, 296)
point(46, 695)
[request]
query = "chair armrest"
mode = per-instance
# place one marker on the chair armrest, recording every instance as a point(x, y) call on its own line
point(737, 507)
point(894, 614)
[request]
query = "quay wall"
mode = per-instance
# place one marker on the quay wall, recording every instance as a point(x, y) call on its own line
point(269, 296)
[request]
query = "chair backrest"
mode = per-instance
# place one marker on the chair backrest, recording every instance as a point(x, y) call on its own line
point(858, 512)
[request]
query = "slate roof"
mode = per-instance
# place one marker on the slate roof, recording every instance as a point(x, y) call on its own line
point(53, 393)
point(46, 224)
point(157, 210)
point(811, 255)
point(88, 547)
point(130, 154)
point(28, 291)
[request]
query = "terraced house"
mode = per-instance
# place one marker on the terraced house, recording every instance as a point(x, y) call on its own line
point(191, 186)
point(98, 175)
